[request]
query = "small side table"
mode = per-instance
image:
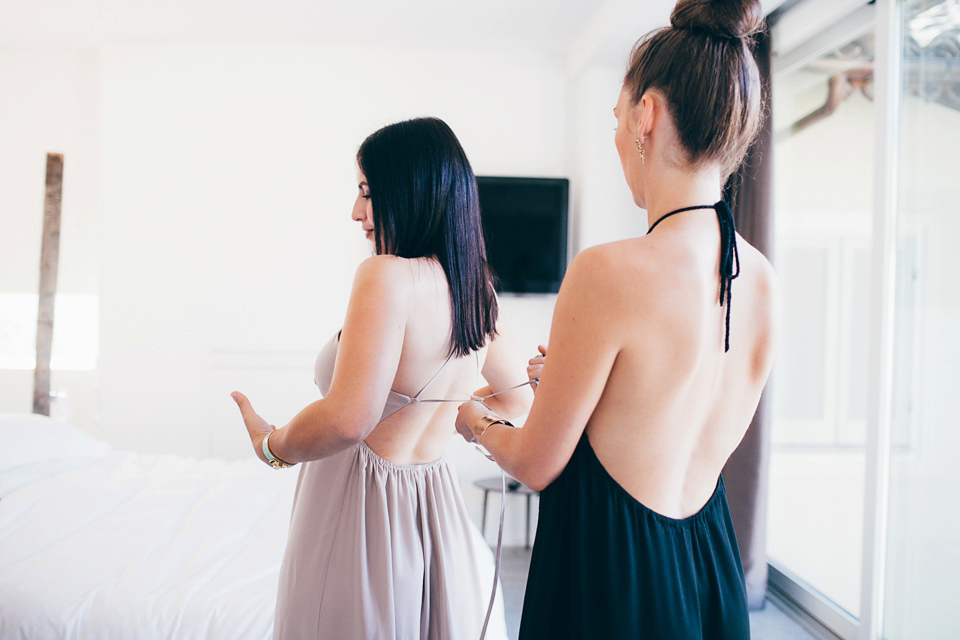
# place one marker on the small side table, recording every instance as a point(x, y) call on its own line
point(513, 486)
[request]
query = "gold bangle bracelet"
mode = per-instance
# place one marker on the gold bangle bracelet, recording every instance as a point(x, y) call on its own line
point(484, 423)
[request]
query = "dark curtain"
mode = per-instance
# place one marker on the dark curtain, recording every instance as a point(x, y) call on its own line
point(750, 192)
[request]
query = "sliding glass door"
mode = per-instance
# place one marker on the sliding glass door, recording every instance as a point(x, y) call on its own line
point(823, 114)
point(923, 522)
point(864, 528)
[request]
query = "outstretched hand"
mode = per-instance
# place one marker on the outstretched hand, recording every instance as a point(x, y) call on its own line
point(257, 427)
point(535, 367)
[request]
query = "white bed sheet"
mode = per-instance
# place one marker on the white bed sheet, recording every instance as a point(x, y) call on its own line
point(129, 546)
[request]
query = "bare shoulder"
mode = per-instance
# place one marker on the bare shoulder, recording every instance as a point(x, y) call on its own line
point(761, 274)
point(590, 263)
point(765, 306)
point(384, 279)
point(383, 271)
point(603, 267)
point(383, 267)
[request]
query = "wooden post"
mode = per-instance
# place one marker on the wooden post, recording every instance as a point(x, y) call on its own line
point(49, 257)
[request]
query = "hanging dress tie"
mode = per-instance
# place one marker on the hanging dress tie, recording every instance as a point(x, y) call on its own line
point(729, 256)
point(503, 499)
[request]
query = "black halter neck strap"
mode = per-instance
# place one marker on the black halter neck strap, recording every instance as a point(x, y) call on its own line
point(729, 257)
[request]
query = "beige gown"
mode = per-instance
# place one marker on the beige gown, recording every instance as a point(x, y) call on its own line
point(382, 550)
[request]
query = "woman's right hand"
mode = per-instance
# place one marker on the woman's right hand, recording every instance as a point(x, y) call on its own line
point(535, 367)
point(467, 415)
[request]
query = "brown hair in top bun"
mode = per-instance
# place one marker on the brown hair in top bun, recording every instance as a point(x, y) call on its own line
point(703, 65)
point(724, 18)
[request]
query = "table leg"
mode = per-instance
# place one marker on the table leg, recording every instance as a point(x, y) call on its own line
point(483, 527)
point(527, 538)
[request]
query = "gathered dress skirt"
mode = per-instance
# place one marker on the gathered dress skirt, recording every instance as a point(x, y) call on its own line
point(606, 566)
point(383, 550)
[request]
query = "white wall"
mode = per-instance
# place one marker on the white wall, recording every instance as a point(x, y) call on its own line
point(227, 250)
point(48, 104)
point(605, 211)
point(228, 179)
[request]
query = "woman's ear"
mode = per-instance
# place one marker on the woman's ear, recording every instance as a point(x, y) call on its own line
point(645, 113)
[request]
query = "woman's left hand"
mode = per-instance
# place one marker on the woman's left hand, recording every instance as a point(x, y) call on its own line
point(535, 367)
point(467, 416)
point(257, 427)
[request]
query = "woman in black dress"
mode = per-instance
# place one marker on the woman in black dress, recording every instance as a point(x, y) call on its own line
point(652, 378)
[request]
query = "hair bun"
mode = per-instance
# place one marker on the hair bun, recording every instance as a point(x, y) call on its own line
point(725, 18)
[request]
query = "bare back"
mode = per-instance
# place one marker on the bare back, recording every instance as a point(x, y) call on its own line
point(675, 405)
point(420, 431)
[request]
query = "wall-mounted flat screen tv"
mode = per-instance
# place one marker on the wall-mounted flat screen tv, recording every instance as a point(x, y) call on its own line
point(525, 228)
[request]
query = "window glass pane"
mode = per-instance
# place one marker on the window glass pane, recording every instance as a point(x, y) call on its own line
point(923, 532)
point(823, 117)
point(803, 271)
point(76, 331)
point(857, 338)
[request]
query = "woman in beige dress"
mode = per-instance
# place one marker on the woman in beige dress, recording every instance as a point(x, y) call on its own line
point(380, 544)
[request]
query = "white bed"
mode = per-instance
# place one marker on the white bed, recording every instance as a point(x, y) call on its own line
point(98, 543)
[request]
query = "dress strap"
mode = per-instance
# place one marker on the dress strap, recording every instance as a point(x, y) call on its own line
point(729, 256)
point(497, 557)
point(435, 376)
point(481, 399)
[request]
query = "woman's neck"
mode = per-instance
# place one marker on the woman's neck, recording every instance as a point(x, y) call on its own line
point(673, 189)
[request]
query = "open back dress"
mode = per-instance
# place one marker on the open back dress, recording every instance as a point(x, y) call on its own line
point(382, 550)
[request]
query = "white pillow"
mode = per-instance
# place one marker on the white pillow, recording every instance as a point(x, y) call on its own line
point(28, 438)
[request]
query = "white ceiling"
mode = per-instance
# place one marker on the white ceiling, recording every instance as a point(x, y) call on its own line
point(586, 31)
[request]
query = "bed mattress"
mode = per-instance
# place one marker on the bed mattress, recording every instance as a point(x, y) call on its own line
point(131, 546)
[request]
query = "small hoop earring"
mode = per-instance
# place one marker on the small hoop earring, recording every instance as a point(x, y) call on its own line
point(643, 159)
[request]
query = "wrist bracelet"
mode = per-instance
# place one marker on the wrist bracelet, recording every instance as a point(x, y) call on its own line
point(484, 423)
point(274, 461)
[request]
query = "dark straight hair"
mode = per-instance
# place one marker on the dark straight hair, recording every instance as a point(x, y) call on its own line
point(703, 64)
point(425, 204)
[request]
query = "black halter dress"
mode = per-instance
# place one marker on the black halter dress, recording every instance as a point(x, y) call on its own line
point(605, 566)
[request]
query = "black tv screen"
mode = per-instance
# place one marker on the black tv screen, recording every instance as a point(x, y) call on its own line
point(525, 228)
